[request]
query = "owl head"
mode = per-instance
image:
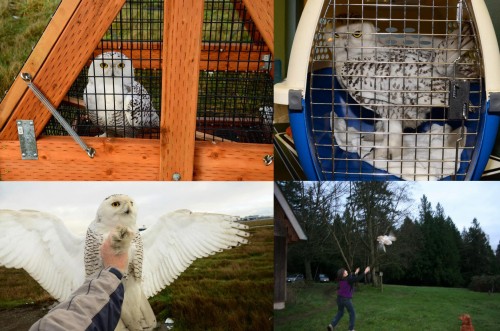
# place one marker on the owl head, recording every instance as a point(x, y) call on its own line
point(354, 41)
point(117, 209)
point(113, 65)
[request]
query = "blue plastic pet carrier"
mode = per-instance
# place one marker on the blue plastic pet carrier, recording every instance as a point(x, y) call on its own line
point(393, 90)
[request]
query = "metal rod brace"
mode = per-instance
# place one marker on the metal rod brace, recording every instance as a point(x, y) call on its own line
point(27, 78)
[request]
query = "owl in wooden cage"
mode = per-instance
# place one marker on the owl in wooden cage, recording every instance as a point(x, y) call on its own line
point(118, 104)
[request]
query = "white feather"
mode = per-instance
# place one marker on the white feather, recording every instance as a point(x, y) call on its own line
point(180, 237)
point(40, 243)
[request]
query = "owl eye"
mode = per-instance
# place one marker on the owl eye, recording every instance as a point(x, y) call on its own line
point(115, 204)
point(357, 34)
point(121, 65)
point(104, 65)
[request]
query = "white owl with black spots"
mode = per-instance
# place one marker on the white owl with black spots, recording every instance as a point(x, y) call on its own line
point(59, 261)
point(400, 84)
point(115, 101)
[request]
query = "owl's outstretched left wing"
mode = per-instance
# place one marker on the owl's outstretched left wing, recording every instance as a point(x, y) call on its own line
point(180, 237)
point(39, 243)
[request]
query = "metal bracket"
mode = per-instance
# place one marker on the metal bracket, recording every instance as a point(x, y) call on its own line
point(459, 100)
point(267, 62)
point(27, 139)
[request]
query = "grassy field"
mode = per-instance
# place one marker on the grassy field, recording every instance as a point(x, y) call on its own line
point(22, 24)
point(402, 308)
point(232, 290)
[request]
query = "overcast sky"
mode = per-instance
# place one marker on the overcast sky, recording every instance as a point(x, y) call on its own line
point(464, 201)
point(76, 203)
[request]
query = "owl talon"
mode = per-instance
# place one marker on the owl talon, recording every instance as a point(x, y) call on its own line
point(120, 239)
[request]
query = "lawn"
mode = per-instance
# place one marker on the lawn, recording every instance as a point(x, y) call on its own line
point(312, 306)
point(232, 290)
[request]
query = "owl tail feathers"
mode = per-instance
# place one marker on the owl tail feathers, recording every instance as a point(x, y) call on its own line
point(137, 314)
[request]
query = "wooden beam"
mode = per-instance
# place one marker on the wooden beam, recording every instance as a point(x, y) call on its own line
point(64, 61)
point(232, 161)
point(60, 158)
point(262, 13)
point(220, 56)
point(181, 66)
point(36, 59)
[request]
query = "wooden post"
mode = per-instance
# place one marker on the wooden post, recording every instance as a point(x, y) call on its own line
point(381, 282)
point(181, 61)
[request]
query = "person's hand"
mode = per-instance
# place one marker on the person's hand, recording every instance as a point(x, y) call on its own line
point(367, 270)
point(110, 258)
point(357, 270)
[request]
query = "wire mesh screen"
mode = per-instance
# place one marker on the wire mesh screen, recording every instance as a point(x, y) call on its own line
point(118, 93)
point(236, 86)
point(395, 89)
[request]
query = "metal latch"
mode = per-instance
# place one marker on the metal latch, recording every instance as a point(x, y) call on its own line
point(459, 100)
point(27, 139)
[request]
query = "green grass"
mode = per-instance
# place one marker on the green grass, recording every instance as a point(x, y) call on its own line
point(402, 308)
point(232, 290)
point(22, 24)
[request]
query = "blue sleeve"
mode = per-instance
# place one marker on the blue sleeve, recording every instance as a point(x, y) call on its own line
point(94, 306)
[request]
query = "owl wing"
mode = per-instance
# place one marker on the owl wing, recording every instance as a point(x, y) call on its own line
point(180, 237)
point(139, 110)
point(40, 244)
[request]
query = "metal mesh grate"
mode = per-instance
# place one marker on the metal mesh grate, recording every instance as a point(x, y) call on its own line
point(379, 89)
point(235, 87)
point(125, 100)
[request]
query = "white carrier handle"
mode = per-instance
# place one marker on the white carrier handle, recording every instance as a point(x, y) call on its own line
point(299, 55)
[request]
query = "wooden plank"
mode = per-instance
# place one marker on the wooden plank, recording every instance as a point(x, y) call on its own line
point(262, 13)
point(60, 158)
point(182, 26)
point(214, 57)
point(64, 62)
point(37, 57)
point(232, 161)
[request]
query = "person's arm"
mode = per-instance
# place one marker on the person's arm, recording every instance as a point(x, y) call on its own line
point(96, 305)
point(353, 278)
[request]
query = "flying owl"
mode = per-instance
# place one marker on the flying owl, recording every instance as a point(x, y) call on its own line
point(385, 240)
point(400, 84)
point(59, 261)
point(115, 101)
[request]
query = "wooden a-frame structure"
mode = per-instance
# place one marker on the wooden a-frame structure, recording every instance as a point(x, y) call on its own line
point(66, 46)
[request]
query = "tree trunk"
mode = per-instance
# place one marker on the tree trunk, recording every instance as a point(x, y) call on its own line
point(307, 266)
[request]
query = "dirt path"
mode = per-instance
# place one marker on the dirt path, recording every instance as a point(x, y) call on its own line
point(20, 319)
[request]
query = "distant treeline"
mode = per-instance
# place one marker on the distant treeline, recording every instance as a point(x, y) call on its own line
point(342, 221)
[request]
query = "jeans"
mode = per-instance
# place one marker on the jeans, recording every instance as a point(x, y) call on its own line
point(345, 303)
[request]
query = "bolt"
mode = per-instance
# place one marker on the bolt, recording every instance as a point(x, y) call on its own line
point(176, 176)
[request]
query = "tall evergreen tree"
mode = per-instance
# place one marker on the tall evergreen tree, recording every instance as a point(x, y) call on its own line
point(477, 255)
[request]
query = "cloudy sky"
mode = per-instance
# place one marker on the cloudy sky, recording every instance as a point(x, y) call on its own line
point(76, 202)
point(464, 201)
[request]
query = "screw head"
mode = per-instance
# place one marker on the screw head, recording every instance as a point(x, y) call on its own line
point(176, 176)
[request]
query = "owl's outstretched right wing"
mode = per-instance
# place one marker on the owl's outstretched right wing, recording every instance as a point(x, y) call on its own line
point(39, 243)
point(180, 237)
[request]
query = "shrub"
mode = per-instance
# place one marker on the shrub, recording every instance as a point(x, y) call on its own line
point(485, 283)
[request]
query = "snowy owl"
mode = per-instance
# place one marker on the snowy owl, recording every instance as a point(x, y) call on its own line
point(400, 84)
point(385, 240)
point(39, 243)
point(115, 101)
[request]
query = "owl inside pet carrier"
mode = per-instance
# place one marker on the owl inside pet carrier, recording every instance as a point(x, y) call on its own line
point(389, 90)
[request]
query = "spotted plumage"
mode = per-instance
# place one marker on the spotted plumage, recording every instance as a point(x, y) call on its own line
point(115, 101)
point(400, 84)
